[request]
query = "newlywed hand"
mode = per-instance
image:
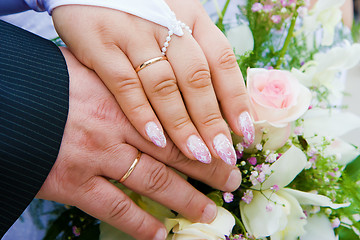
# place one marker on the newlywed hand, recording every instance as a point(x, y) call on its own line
point(181, 94)
point(99, 143)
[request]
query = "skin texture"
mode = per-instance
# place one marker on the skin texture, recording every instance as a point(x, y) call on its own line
point(99, 144)
point(189, 94)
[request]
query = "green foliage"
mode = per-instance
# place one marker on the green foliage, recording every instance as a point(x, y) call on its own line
point(352, 170)
point(216, 196)
point(355, 31)
point(71, 222)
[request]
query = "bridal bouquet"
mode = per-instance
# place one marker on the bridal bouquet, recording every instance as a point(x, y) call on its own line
point(300, 180)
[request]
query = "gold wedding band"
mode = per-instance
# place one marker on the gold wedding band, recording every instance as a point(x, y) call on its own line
point(149, 62)
point(132, 167)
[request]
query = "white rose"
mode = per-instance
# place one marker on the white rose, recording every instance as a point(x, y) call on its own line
point(327, 14)
point(216, 230)
point(286, 219)
point(241, 39)
point(278, 99)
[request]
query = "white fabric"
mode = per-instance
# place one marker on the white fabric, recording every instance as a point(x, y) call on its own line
point(156, 11)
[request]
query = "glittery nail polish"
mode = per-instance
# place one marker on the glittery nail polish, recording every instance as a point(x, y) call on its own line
point(155, 134)
point(247, 127)
point(224, 149)
point(198, 148)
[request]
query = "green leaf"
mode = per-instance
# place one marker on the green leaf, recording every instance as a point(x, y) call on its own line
point(90, 233)
point(346, 234)
point(352, 170)
point(216, 196)
point(58, 226)
point(303, 142)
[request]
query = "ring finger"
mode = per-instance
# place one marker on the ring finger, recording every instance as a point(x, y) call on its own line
point(155, 180)
point(162, 90)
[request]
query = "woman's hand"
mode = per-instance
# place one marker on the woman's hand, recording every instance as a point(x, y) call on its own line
point(182, 92)
point(99, 144)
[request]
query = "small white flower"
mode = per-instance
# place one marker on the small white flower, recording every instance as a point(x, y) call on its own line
point(248, 196)
point(299, 131)
point(269, 207)
point(328, 211)
point(240, 147)
point(228, 197)
point(315, 209)
point(259, 146)
point(335, 223)
point(271, 158)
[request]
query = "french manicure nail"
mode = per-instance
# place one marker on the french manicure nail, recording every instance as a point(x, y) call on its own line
point(161, 234)
point(247, 127)
point(234, 180)
point(209, 213)
point(155, 134)
point(198, 148)
point(224, 149)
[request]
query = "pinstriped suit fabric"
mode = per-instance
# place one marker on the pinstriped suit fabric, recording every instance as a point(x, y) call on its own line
point(34, 92)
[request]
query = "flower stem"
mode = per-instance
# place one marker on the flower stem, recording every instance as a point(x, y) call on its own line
point(287, 40)
point(239, 223)
point(219, 22)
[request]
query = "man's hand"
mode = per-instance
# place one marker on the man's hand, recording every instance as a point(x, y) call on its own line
point(99, 143)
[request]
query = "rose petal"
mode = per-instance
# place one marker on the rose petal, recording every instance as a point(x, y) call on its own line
point(305, 198)
point(260, 222)
point(347, 151)
point(241, 39)
point(326, 123)
point(318, 227)
point(278, 117)
point(184, 229)
point(296, 219)
point(282, 173)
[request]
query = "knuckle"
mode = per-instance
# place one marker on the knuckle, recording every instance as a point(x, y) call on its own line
point(84, 190)
point(212, 119)
point(119, 207)
point(124, 83)
point(165, 87)
point(157, 179)
point(227, 59)
point(106, 110)
point(236, 96)
point(138, 109)
point(181, 122)
point(199, 78)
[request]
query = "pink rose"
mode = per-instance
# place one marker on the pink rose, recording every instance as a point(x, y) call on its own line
point(278, 99)
point(277, 96)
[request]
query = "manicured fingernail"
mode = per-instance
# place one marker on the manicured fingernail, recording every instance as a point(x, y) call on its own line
point(161, 234)
point(198, 148)
point(247, 127)
point(155, 134)
point(224, 149)
point(209, 213)
point(234, 180)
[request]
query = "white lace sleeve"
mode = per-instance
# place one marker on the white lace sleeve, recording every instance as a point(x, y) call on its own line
point(156, 11)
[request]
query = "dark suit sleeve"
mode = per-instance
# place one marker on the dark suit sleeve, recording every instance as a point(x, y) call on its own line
point(34, 101)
